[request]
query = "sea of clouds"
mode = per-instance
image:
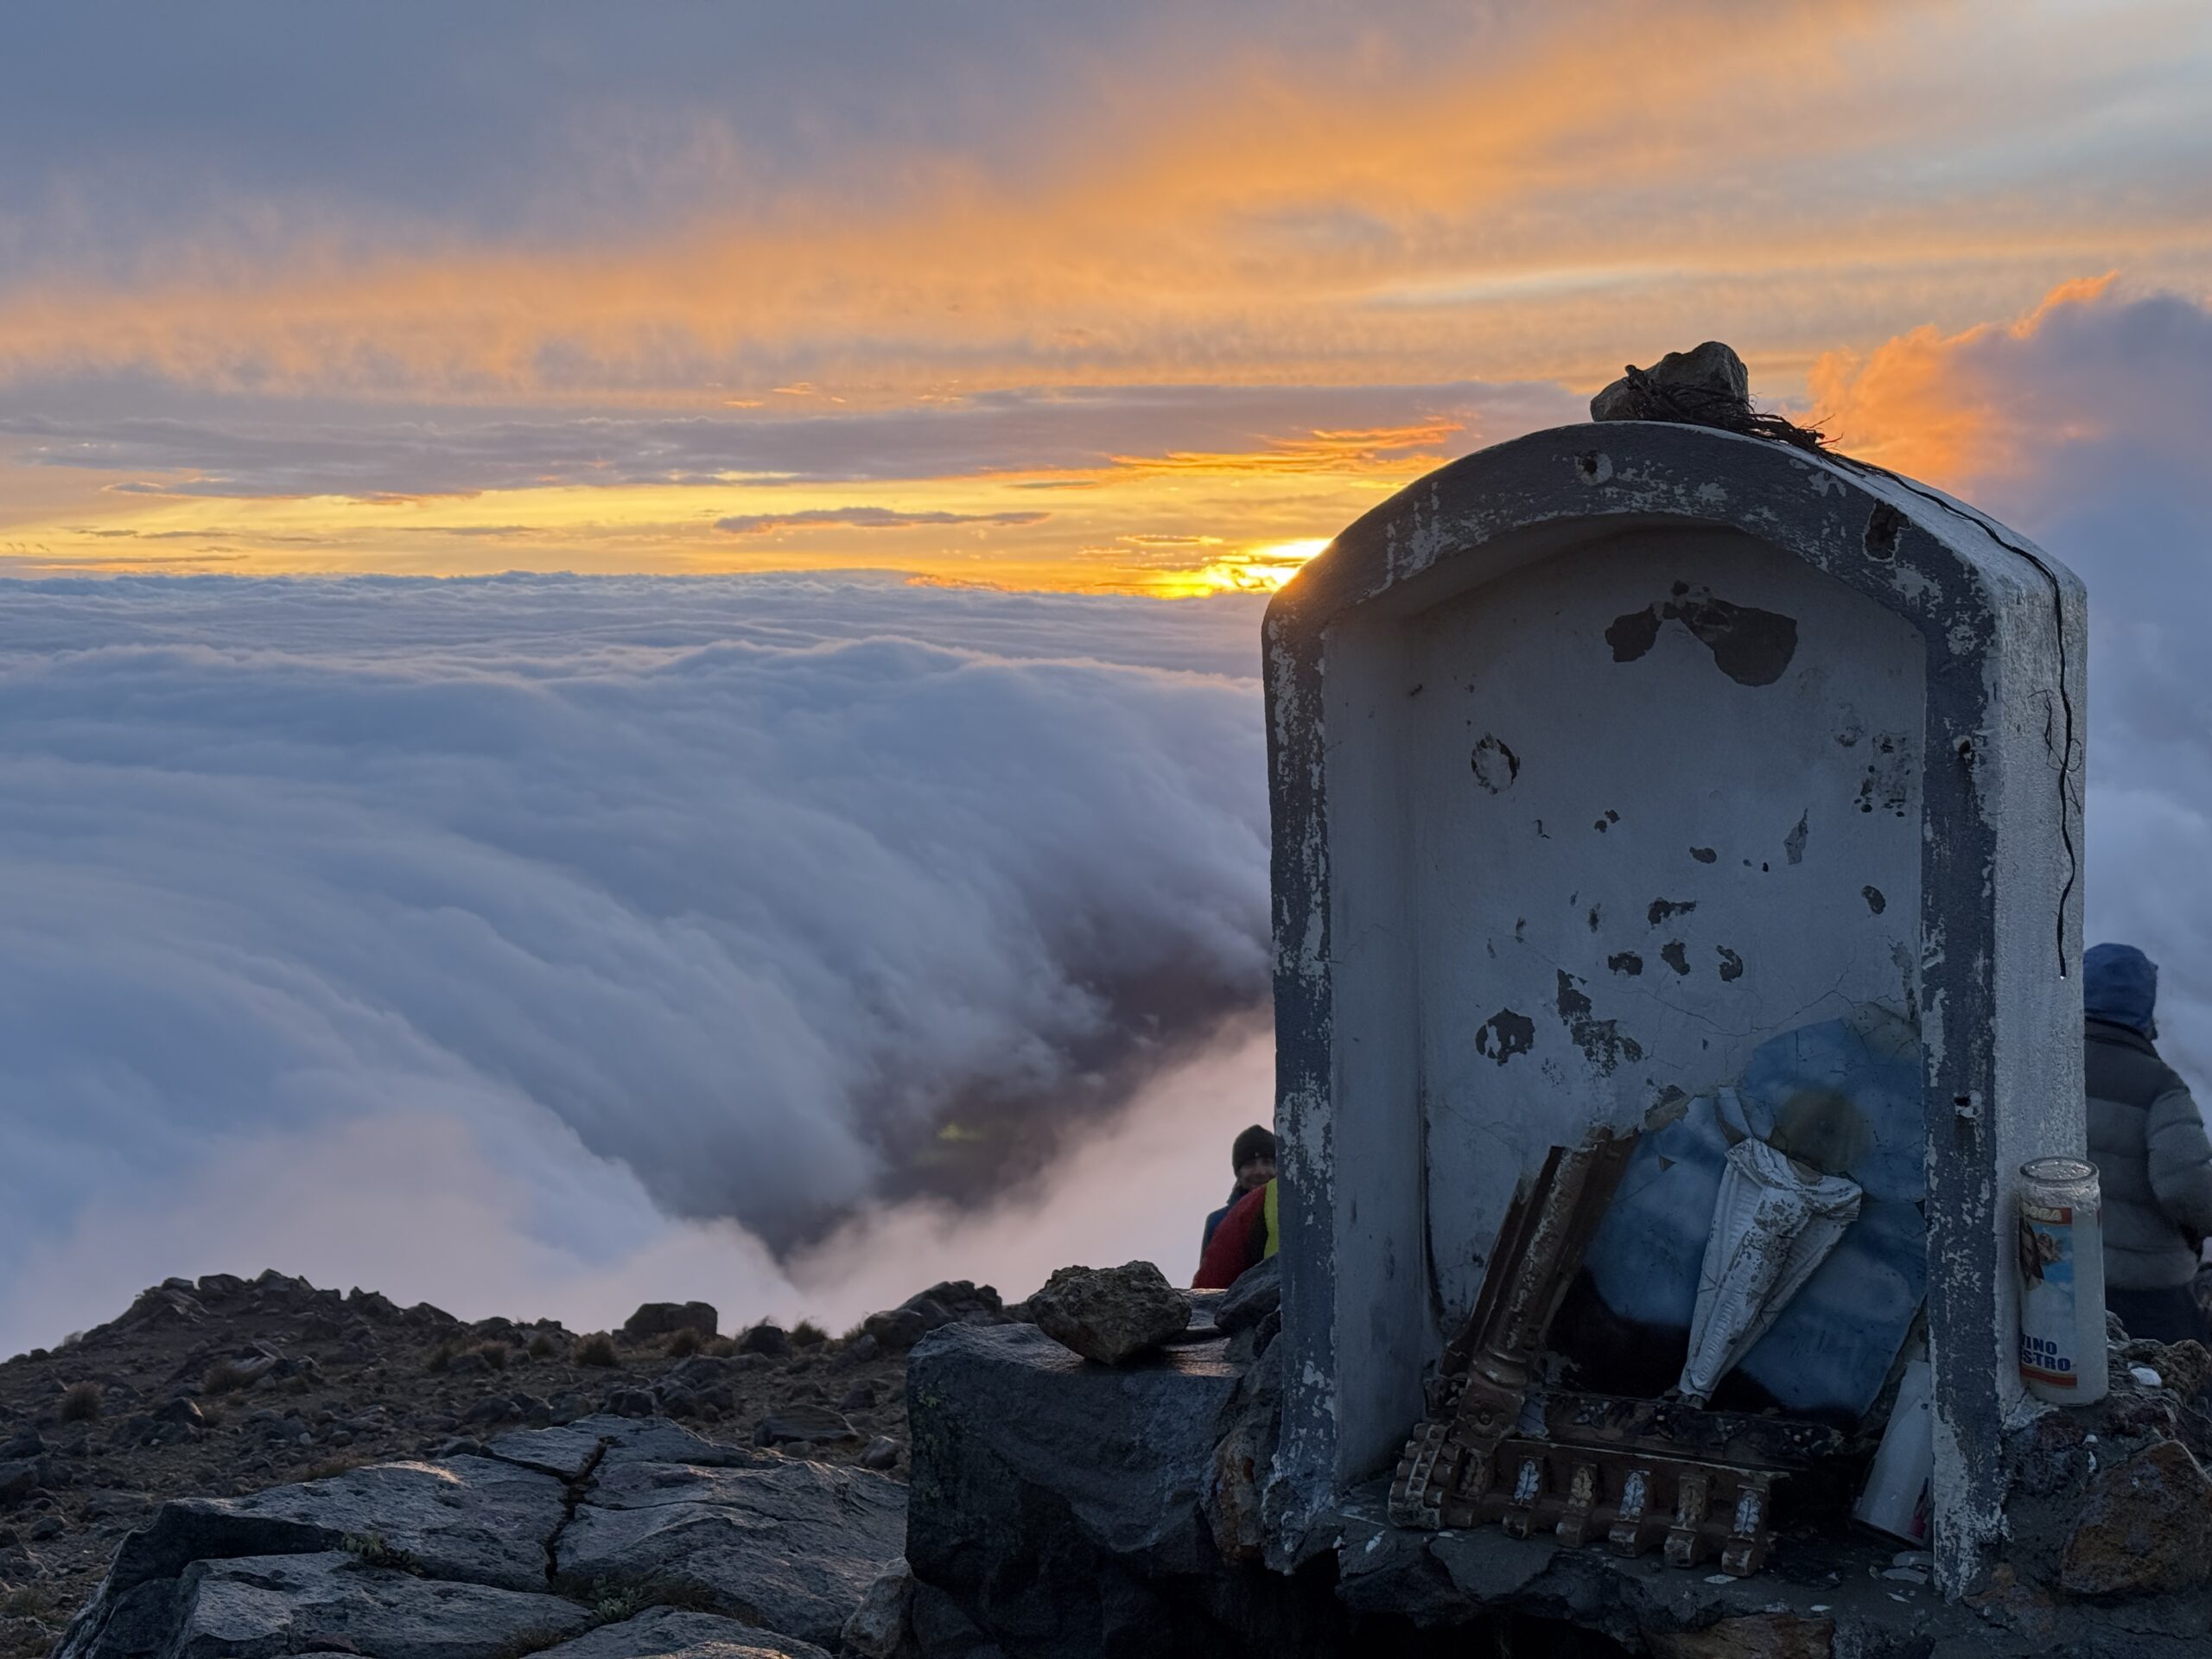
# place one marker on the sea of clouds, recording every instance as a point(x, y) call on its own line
point(541, 943)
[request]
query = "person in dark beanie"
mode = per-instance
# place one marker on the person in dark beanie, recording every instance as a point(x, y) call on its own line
point(1253, 1159)
point(2147, 1140)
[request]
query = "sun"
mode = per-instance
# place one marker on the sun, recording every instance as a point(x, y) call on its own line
point(1258, 570)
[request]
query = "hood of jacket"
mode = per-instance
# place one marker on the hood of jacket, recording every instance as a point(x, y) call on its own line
point(2120, 985)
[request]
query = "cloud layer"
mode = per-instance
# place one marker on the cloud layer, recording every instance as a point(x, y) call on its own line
point(576, 905)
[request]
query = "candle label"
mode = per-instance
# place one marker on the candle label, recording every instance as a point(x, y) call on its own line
point(2049, 1328)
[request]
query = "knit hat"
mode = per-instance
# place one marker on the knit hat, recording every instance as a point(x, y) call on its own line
point(1255, 1142)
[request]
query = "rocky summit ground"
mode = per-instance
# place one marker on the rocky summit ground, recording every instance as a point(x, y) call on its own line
point(227, 1386)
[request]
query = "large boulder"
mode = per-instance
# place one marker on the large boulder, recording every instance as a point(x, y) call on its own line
point(1059, 1503)
point(665, 1319)
point(563, 1529)
point(473, 1520)
point(330, 1601)
point(788, 1544)
point(1110, 1314)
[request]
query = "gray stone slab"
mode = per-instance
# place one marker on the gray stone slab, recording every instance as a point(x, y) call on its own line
point(256, 1606)
point(469, 1519)
point(570, 1450)
point(997, 1410)
point(667, 1633)
point(791, 1545)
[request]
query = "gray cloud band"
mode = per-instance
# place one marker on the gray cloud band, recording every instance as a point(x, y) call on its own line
point(1014, 431)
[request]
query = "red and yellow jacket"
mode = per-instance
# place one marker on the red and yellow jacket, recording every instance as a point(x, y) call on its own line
point(1246, 1237)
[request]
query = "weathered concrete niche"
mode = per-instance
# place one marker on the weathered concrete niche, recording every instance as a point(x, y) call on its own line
point(1625, 769)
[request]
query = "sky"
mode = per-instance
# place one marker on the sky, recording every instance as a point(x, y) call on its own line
point(1146, 297)
point(628, 642)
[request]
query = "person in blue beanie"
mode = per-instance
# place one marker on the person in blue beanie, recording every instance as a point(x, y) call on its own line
point(2147, 1140)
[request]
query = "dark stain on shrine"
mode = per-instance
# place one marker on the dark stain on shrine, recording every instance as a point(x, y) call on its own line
point(1750, 645)
point(1505, 1034)
point(1600, 1040)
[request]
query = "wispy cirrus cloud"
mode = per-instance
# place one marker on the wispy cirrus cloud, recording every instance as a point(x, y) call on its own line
point(1332, 196)
point(1016, 431)
point(763, 524)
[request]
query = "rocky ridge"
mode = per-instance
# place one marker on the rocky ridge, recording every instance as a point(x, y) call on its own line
point(210, 1392)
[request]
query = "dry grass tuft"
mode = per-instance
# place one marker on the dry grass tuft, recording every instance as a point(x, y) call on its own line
point(807, 1334)
point(543, 1345)
point(598, 1349)
point(681, 1345)
point(224, 1377)
point(81, 1402)
point(494, 1354)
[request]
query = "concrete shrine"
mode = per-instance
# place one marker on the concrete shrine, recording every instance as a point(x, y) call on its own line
point(1648, 777)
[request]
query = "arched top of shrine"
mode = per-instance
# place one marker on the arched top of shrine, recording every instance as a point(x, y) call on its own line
point(1938, 563)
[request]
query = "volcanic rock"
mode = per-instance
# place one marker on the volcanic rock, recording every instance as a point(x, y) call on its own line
point(1256, 1294)
point(328, 1601)
point(878, 1623)
point(471, 1519)
point(800, 1423)
point(789, 1544)
point(670, 1633)
point(664, 1318)
point(1708, 372)
point(1759, 1635)
point(1110, 1314)
point(2146, 1528)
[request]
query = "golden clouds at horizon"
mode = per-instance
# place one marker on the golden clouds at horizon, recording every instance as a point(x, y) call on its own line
point(1841, 191)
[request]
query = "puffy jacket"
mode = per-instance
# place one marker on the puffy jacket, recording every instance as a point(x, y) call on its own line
point(1246, 1237)
point(2154, 1162)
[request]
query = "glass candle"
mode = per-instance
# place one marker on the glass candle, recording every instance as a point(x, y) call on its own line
point(2062, 1281)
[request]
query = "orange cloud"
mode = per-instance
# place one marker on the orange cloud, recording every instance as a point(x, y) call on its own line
point(1920, 404)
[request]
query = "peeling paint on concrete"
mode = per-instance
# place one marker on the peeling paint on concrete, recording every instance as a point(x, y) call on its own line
point(1494, 765)
point(1750, 645)
point(1600, 1040)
